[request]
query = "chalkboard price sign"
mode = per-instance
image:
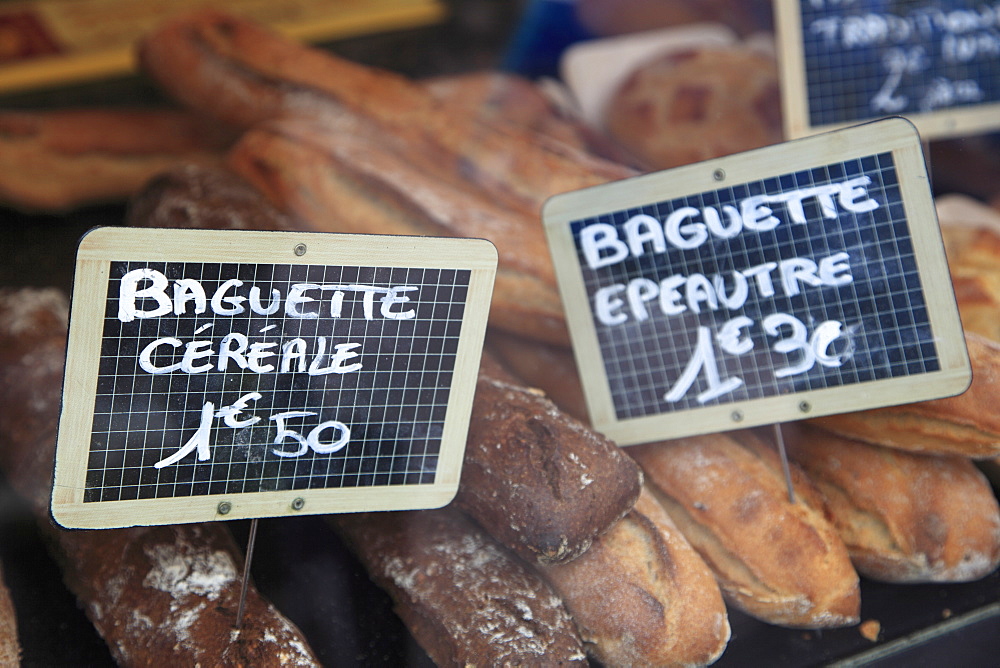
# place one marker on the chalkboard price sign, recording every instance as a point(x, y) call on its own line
point(793, 281)
point(843, 62)
point(228, 374)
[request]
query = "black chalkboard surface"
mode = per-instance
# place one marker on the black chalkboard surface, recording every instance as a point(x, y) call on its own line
point(219, 375)
point(793, 281)
point(937, 62)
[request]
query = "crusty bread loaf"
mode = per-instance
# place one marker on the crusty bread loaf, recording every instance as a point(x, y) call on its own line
point(496, 97)
point(688, 106)
point(10, 649)
point(551, 368)
point(538, 480)
point(53, 161)
point(971, 232)
point(357, 183)
point(779, 561)
point(905, 517)
point(641, 596)
point(201, 197)
point(157, 594)
point(466, 600)
point(967, 424)
point(978, 298)
point(243, 73)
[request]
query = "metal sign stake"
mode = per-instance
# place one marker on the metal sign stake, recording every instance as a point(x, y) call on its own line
point(780, 440)
point(246, 573)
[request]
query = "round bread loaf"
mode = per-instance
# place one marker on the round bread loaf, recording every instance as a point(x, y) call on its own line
point(697, 104)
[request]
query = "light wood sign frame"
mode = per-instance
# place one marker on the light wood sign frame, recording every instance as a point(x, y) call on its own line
point(934, 63)
point(798, 280)
point(216, 375)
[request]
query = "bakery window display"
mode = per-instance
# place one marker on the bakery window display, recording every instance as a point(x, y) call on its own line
point(195, 196)
point(691, 105)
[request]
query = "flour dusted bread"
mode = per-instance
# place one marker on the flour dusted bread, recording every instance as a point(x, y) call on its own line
point(154, 594)
point(173, 591)
point(466, 600)
point(692, 105)
point(779, 561)
point(203, 197)
point(540, 481)
point(641, 596)
point(905, 517)
point(54, 161)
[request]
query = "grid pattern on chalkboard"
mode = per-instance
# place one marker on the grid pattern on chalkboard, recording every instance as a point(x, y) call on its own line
point(394, 405)
point(881, 312)
point(868, 60)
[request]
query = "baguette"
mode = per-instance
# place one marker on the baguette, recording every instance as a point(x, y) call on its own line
point(538, 480)
point(466, 600)
point(355, 183)
point(201, 197)
point(56, 161)
point(641, 596)
point(971, 233)
point(502, 97)
point(905, 517)
point(778, 561)
point(156, 594)
point(242, 73)
point(10, 649)
point(496, 97)
point(967, 424)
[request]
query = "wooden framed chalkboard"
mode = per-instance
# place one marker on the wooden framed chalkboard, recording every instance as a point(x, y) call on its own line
point(797, 280)
point(936, 62)
point(233, 374)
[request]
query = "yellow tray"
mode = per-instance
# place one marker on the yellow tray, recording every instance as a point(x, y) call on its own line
point(46, 43)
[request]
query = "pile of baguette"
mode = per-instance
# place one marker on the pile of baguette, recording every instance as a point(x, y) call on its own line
point(560, 547)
